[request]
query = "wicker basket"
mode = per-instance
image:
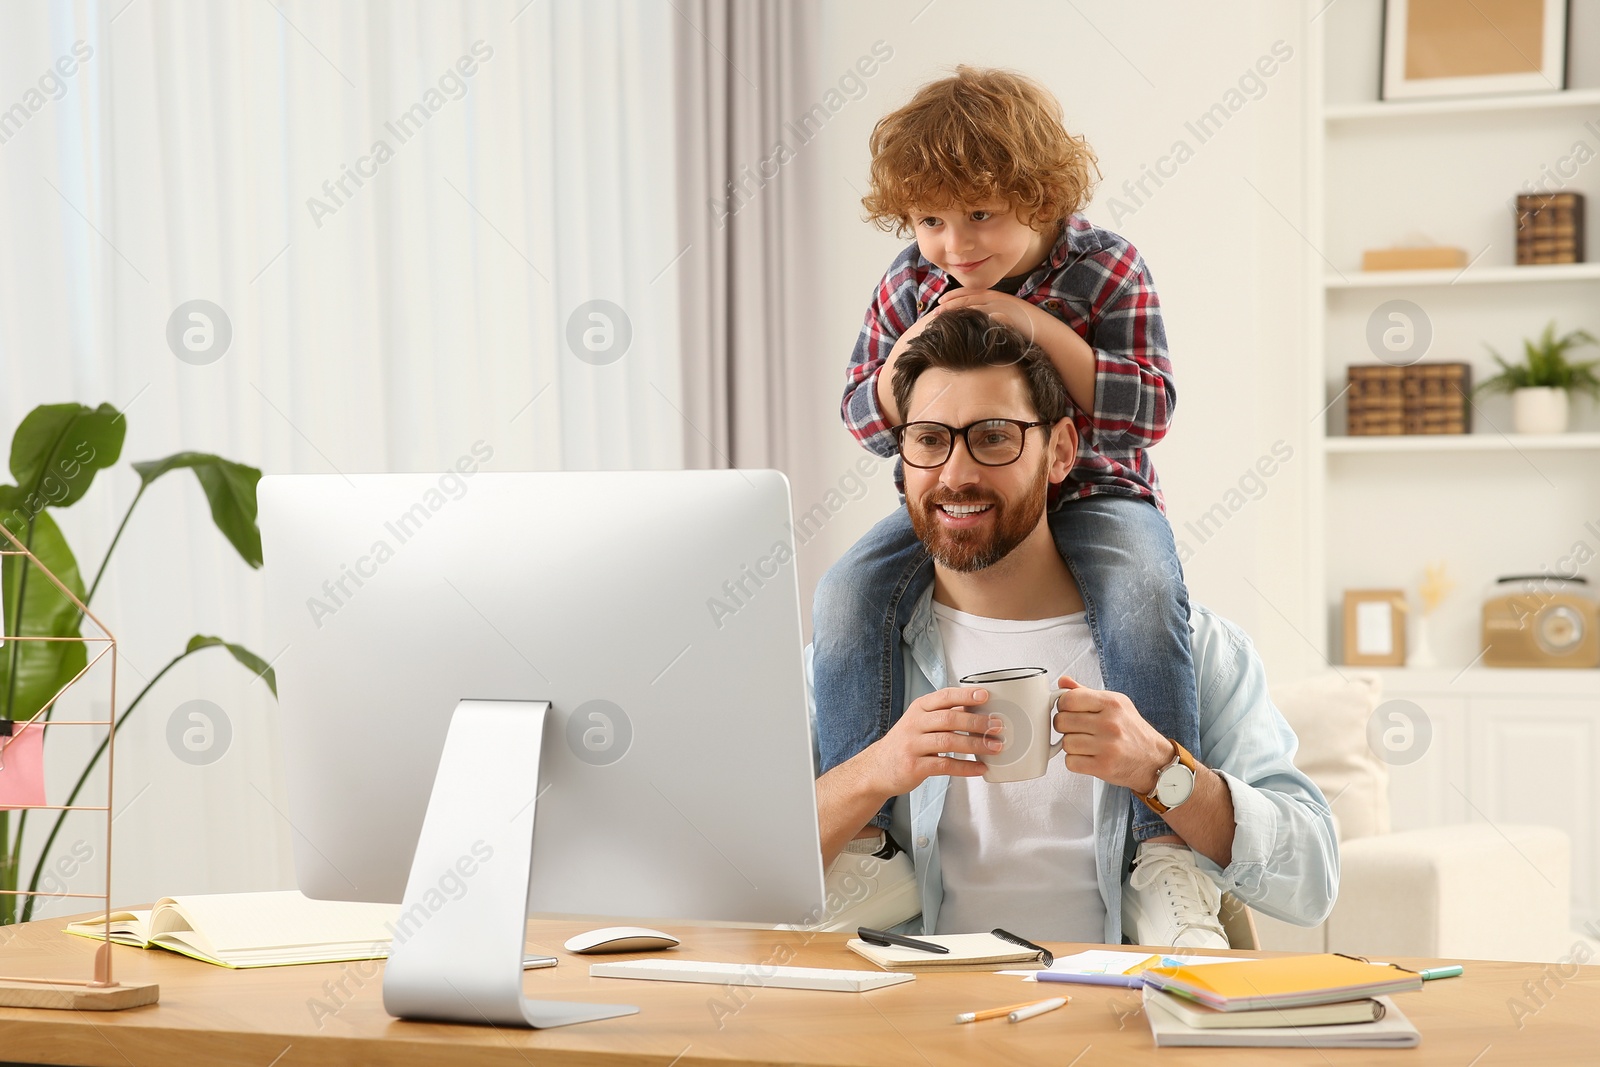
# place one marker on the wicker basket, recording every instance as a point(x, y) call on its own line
point(1550, 228)
point(1436, 398)
point(1424, 398)
point(1376, 400)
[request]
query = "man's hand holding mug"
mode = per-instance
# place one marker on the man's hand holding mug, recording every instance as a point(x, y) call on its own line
point(1005, 718)
point(949, 720)
point(1104, 735)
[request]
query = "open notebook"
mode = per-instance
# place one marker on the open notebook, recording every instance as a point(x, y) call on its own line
point(254, 929)
point(968, 952)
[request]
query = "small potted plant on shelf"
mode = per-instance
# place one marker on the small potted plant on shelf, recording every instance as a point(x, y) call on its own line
point(1540, 384)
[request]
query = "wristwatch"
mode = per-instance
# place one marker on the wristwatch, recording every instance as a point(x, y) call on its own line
point(1174, 782)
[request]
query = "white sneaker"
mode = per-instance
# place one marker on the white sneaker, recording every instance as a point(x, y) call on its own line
point(1167, 900)
point(864, 889)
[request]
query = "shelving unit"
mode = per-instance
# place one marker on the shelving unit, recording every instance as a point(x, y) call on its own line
point(1490, 681)
point(1470, 275)
point(1380, 173)
point(1512, 746)
point(1466, 442)
point(1471, 105)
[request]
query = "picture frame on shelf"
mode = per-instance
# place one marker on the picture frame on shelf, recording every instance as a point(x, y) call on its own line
point(1375, 627)
point(1445, 48)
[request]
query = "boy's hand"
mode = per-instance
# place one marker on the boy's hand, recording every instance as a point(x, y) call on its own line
point(1071, 355)
point(911, 331)
point(886, 372)
point(1028, 319)
point(1105, 736)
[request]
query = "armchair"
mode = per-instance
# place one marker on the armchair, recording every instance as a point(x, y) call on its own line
point(1477, 891)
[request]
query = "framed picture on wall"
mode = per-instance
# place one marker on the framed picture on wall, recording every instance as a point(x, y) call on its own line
point(1435, 48)
point(1375, 627)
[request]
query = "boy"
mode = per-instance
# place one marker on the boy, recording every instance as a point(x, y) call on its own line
point(981, 170)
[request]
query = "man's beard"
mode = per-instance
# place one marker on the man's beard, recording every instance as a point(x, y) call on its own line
point(971, 550)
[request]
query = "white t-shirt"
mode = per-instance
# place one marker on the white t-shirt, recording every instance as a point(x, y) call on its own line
point(1020, 855)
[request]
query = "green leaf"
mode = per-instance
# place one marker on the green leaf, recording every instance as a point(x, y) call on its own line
point(31, 672)
point(251, 662)
point(1545, 364)
point(58, 449)
point(229, 486)
point(1509, 378)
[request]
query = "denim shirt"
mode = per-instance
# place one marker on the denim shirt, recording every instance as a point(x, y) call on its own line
point(1285, 860)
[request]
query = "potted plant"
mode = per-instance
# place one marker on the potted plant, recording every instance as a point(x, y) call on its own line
point(55, 454)
point(1540, 384)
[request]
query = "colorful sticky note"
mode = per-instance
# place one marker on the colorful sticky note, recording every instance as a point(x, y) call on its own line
point(22, 767)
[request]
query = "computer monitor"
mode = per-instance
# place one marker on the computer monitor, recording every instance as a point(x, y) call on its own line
point(652, 620)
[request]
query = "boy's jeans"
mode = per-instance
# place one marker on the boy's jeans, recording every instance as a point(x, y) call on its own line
point(1122, 554)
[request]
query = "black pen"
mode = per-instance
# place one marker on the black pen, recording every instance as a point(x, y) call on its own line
point(1045, 956)
point(882, 937)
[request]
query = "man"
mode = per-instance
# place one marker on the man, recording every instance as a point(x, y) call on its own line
point(987, 433)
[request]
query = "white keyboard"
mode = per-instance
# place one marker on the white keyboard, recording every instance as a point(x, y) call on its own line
point(750, 974)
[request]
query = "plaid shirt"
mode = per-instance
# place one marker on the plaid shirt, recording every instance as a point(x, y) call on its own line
point(1095, 282)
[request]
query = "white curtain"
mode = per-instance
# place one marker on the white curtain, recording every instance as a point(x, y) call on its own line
point(405, 211)
point(745, 74)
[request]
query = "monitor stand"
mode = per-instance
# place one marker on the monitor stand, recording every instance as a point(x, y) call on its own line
point(457, 951)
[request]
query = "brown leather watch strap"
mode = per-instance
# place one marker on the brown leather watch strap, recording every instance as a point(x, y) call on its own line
point(1182, 757)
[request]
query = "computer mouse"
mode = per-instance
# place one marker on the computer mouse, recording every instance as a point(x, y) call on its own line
point(621, 939)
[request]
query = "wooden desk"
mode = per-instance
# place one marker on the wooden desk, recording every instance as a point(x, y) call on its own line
point(333, 1014)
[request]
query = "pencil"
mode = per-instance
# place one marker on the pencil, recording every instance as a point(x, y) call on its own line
point(996, 1013)
point(1037, 1009)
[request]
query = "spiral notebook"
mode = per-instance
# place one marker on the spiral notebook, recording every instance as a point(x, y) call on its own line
point(1391, 1030)
point(1284, 982)
point(1203, 1018)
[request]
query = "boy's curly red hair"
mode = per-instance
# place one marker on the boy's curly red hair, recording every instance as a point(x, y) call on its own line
point(982, 135)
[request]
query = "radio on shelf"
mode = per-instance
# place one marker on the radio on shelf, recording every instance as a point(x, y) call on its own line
point(1541, 621)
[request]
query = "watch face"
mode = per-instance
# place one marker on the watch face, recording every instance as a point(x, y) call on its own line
point(1174, 785)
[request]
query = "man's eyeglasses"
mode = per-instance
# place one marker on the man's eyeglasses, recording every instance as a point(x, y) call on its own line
point(990, 442)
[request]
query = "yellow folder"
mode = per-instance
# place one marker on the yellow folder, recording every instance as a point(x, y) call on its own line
point(1284, 981)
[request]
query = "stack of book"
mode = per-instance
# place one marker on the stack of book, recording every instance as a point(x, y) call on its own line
point(1320, 1001)
point(1550, 228)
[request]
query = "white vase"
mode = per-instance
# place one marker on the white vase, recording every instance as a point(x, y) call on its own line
point(1539, 410)
point(1421, 654)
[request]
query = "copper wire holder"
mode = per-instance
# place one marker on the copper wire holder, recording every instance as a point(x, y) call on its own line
point(101, 992)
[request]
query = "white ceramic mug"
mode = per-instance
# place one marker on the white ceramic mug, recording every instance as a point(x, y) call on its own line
point(1023, 700)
